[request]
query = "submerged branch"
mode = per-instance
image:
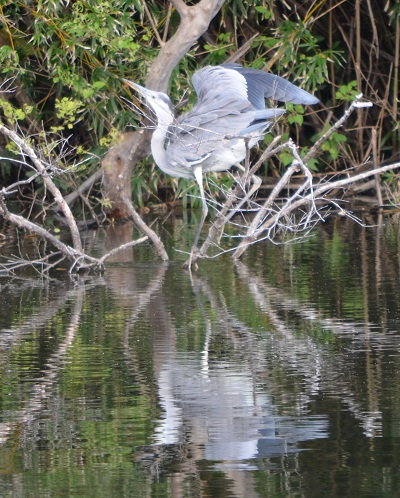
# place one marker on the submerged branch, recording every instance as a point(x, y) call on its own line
point(74, 254)
point(306, 204)
point(300, 211)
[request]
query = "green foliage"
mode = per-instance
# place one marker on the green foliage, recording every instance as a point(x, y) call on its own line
point(286, 157)
point(296, 113)
point(219, 51)
point(145, 183)
point(12, 113)
point(299, 51)
point(68, 60)
point(67, 110)
point(266, 12)
point(347, 92)
point(333, 144)
point(313, 164)
point(8, 58)
point(80, 53)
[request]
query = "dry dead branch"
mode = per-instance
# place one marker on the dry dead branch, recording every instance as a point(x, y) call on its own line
point(288, 213)
point(276, 219)
point(47, 171)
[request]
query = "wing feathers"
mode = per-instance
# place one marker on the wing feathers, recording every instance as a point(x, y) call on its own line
point(262, 85)
point(231, 103)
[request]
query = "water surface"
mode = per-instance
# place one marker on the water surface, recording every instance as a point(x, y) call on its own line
point(275, 376)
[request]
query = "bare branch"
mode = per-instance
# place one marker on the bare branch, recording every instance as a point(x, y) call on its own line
point(307, 204)
point(122, 248)
point(41, 168)
point(43, 264)
point(356, 104)
point(147, 230)
point(195, 20)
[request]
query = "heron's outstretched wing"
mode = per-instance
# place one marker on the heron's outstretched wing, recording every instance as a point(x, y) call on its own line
point(223, 111)
point(262, 85)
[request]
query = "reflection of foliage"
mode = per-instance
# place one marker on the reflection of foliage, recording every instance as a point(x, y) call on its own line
point(276, 322)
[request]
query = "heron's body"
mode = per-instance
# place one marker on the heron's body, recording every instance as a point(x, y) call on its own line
point(220, 159)
point(229, 117)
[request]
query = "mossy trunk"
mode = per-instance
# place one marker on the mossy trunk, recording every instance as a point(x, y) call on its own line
point(118, 165)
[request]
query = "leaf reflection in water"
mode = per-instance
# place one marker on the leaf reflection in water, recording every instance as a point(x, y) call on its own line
point(149, 375)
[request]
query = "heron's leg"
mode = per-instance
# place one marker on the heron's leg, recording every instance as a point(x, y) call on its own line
point(198, 173)
point(204, 212)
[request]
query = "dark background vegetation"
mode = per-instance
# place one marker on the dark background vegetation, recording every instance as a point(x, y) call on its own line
point(66, 61)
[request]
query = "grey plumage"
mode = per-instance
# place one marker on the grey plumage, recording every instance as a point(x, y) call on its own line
point(229, 116)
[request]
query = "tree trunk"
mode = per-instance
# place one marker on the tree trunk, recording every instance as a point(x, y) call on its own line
point(117, 168)
point(119, 162)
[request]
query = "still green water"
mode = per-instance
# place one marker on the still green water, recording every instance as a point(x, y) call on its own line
point(278, 376)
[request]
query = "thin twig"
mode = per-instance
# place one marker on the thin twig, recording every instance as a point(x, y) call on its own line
point(376, 165)
point(153, 25)
point(114, 251)
point(356, 104)
point(50, 185)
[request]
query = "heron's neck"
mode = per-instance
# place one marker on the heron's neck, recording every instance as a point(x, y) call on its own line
point(158, 146)
point(158, 140)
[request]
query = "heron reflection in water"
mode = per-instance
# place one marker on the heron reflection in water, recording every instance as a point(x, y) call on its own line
point(229, 117)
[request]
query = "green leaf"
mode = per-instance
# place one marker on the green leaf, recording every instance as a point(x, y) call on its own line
point(98, 85)
point(297, 118)
point(312, 164)
point(286, 158)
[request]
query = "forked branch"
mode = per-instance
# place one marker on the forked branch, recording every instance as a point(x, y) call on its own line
point(307, 204)
point(75, 254)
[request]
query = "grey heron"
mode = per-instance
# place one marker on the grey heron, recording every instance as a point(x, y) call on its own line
point(229, 117)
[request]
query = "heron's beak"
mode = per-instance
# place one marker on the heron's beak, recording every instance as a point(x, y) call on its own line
point(141, 89)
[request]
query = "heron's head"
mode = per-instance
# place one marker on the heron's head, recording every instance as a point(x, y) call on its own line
point(159, 102)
